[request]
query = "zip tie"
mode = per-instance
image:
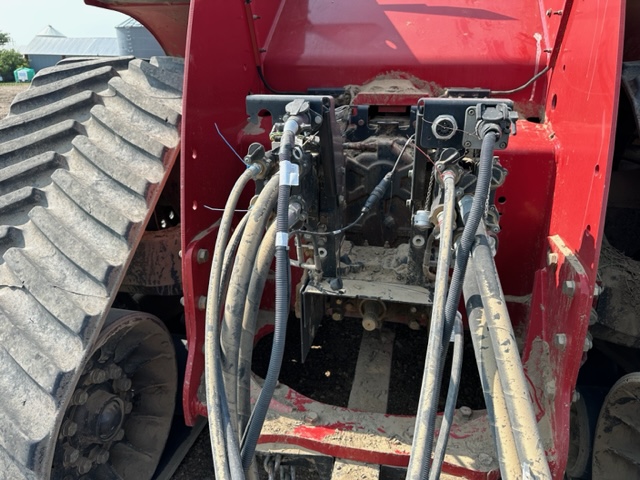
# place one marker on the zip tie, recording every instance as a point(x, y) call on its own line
point(282, 239)
point(289, 173)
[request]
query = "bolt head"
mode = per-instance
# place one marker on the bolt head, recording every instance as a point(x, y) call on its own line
point(552, 259)
point(97, 376)
point(79, 397)
point(569, 288)
point(560, 339)
point(337, 316)
point(84, 465)
point(69, 428)
point(575, 397)
point(122, 384)
point(311, 417)
point(114, 371)
point(202, 302)
point(588, 343)
point(485, 459)
point(202, 256)
point(70, 456)
point(466, 412)
point(414, 325)
point(408, 203)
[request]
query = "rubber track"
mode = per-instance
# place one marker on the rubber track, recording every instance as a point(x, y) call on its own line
point(84, 155)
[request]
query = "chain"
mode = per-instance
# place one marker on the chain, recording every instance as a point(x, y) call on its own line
point(432, 181)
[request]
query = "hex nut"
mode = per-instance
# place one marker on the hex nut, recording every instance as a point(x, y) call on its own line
point(466, 412)
point(202, 256)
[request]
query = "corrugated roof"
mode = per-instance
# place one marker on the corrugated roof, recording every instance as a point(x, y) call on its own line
point(50, 45)
point(128, 23)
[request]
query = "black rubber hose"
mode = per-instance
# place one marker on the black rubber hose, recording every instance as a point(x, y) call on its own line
point(231, 328)
point(218, 411)
point(283, 291)
point(261, 269)
point(452, 398)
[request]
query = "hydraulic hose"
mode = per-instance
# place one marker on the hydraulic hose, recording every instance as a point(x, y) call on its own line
point(452, 398)
point(231, 328)
point(215, 394)
point(282, 305)
point(499, 420)
point(420, 458)
point(430, 392)
point(230, 255)
point(261, 269)
point(512, 379)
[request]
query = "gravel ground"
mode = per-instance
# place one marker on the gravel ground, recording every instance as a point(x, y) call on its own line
point(7, 92)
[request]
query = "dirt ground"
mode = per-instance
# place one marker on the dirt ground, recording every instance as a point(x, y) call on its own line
point(7, 92)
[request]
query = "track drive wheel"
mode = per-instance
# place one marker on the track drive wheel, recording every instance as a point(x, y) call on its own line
point(84, 155)
point(616, 449)
point(121, 409)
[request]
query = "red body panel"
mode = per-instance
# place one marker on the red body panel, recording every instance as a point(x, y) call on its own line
point(555, 194)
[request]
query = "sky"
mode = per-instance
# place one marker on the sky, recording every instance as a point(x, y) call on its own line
point(23, 19)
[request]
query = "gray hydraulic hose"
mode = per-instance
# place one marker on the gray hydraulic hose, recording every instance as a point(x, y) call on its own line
point(452, 398)
point(261, 269)
point(499, 421)
point(231, 327)
point(230, 255)
point(288, 176)
point(512, 380)
point(213, 375)
point(420, 458)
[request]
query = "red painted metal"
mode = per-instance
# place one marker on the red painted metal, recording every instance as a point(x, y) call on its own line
point(167, 21)
point(559, 163)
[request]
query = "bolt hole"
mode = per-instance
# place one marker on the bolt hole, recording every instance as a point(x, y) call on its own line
point(588, 228)
point(564, 67)
point(554, 101)
point(502, 200)
point(597, 168)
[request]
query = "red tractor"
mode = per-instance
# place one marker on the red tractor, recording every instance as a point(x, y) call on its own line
point(343, 315)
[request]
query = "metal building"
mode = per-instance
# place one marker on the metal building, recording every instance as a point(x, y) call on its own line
point(134, 39)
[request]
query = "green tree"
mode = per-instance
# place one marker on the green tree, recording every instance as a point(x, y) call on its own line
point(9, 61)
point(4, 38)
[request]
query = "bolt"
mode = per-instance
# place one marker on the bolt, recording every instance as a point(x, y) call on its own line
point(338, 301)
point(588, 343)
point(122, 385)
point(99, 455)
point(311, 418)
point(202, 256)
point(560, 339)
point(410, 173)
point(69, 428)
point(503, 145)
point(569, 288)
point(114, 371)
point(97, 376)
point(337, 316)
point(182, 301)
point(79, 397)
point(70, 455)
point(552, 259)
point(413, 309)
point(318, 119)
point(84, 465)
point(597, 290)
point(593, 317)
point(414, 325)
point(408, 203)
point(467, 144)
point(575, 397)
point(202, 302)
point(485, 459)
point(180, 253)
point(361, 122)
point(466, 412)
